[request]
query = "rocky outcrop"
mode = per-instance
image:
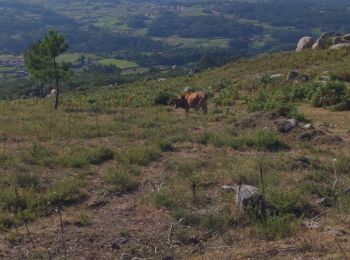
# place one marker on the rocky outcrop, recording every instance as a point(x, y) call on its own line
point(304, 43)
point(340, 46)
point(331, 40)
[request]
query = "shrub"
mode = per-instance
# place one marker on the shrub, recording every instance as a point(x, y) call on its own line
point(165, 145)
point(333, 94)
point(74, 160)
point(168, 199)
point(64, 192)
point(187, 216)
point(226, 97)
point(264, 140)
point(216, 222)
point(38, 155)
point(291, 202)
point(25, 180)
point(140, 155)
point(100, 155)
point(6, 221)
point(276, 227)
point(121, 180)
point(164, 98)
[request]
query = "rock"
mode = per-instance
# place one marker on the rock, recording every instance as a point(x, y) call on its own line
point(244, 193)
point(188, 89)
point(168, 257)
point(276, 76)
point(328, 35)
point(340, 46)
point(97, 203)
point(327, 202)
point(307, 136)
point(125, 256)
point(292, 75)
point(319, 44)
point(305, 42)
point(308, 126)
point(302, 163)
point(337, 40)
point(304, 78)
point(285, 126)
point(116, 244)
point(346, 37)
point(192, 240)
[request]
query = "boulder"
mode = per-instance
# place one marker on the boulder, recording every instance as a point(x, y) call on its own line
point(305, 42)
point(292, 75)
point(276, 76)
point(346, 37)
point(308, 126)
point(286, 125)
point(328, 35)
point(340, 46)
point(319, 44)
point(337, 40)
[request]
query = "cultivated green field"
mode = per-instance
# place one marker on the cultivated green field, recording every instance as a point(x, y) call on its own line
point(121, 64)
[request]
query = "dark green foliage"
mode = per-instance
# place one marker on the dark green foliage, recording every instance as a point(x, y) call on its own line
point(41, 60)
point(335, 95)
point(277, 227)
point(264, 140)
point(227, 95)
point(164, 98)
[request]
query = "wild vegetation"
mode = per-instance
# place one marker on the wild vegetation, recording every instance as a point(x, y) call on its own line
point(117, 170)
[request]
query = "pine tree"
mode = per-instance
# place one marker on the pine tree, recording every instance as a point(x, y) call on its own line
point(41, 60)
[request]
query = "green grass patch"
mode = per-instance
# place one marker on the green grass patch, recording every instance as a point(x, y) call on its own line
point(121, 64)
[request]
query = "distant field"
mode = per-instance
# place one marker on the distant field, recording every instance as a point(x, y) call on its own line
point(121, 64)
point(194, 42)
point(6, 69)
point(73, 57)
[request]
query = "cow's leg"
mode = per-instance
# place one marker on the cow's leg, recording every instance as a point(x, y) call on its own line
point(187, 112)
point(204, 106)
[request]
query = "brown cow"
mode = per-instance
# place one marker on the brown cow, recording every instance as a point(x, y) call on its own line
point(194, 100)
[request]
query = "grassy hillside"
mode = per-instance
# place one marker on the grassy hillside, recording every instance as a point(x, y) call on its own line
point(114, 171)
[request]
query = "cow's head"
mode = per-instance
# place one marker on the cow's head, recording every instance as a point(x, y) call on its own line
point(179, 102)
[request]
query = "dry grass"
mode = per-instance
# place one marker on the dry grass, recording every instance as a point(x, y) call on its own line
point(123, 172)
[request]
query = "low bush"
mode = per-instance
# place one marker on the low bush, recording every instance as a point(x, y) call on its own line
point(100, 155)
point(277, 227)
point(164, 98)
point(264, 140)
point(122, 180)
point(334, 95)
point(39, 155)
point(167, 198)
point(64, 192)
point(140, 155)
